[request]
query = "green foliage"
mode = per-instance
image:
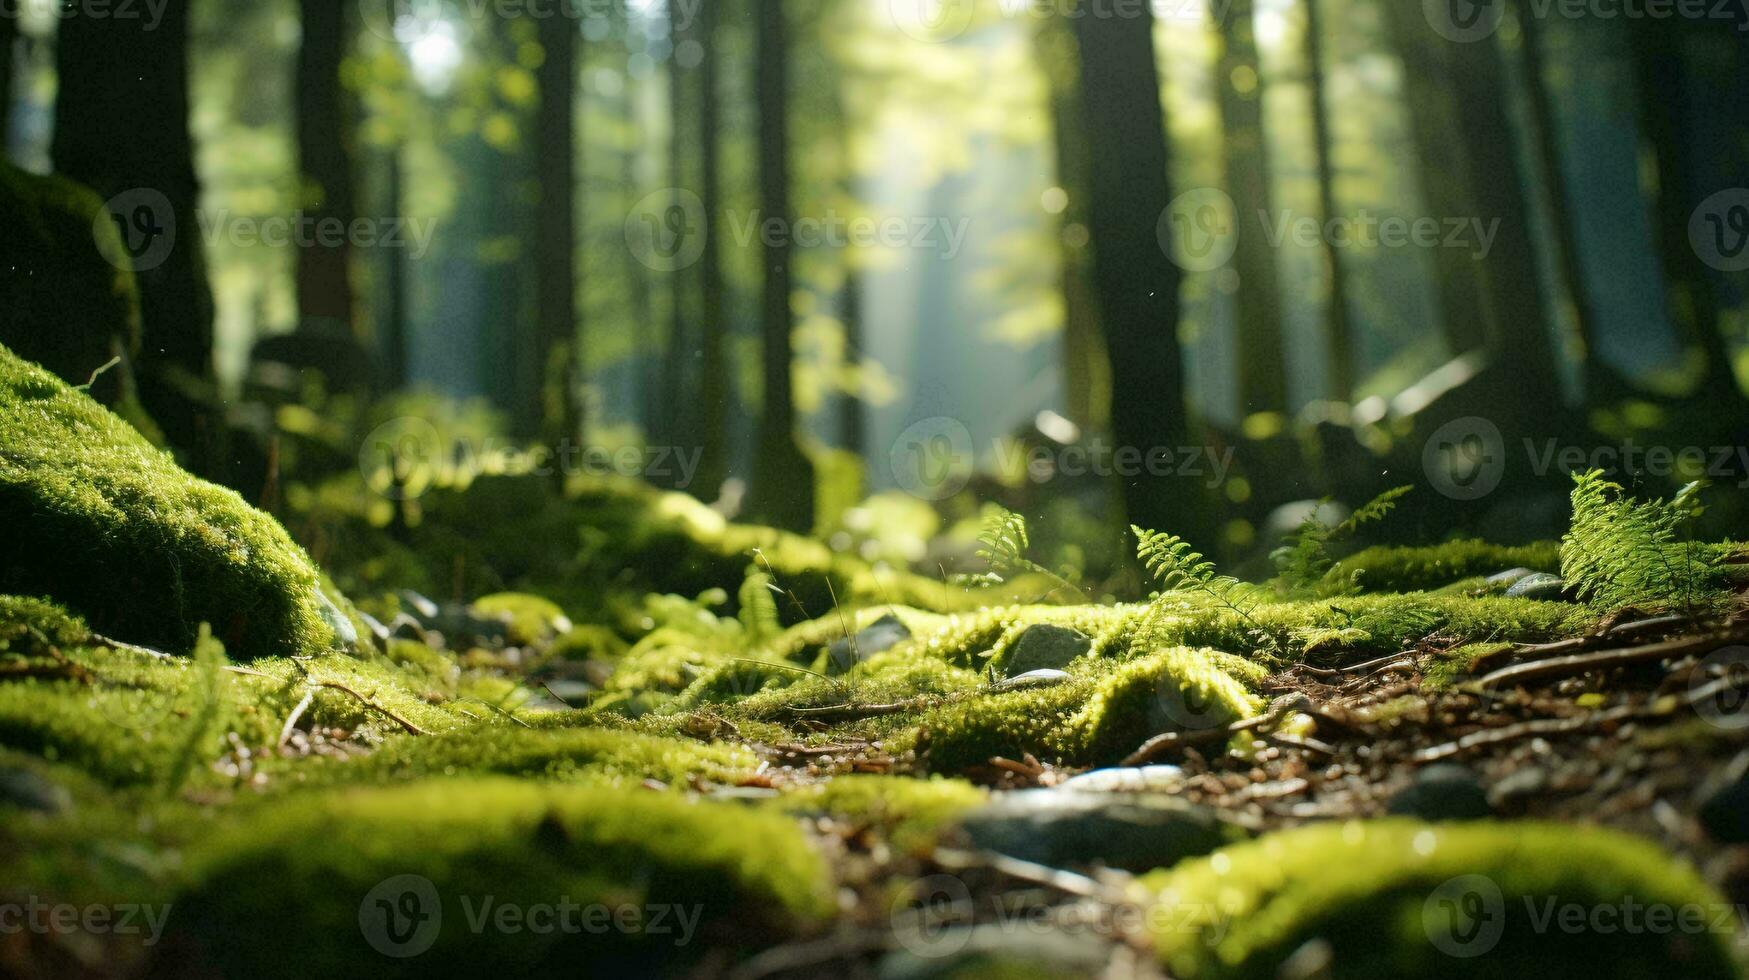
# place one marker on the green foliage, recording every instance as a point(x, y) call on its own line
point(1624, 552)
point(530, 618)
point(562, 754)
point(1179, 568)
point(758, 613)
point(1308, 559)
point(104, 523)
point(210, 681)
point(1002, 545)
point(913, 812)
point(1379, 893)
point(1418, 569)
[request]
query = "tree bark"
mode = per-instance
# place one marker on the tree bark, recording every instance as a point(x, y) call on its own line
point(324, 145)
point(713, 387)
point(1135, 283)
point(557, 409)
point(1338, 328)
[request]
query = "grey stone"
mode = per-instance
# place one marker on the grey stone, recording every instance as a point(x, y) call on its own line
point(1501, 581)
point(1543, 586)
point(1043, 647)
point(881, 635)
point(1134, 832)
point(1442, 792)
point(1044, 677)
point(1137, 779)
point(27, 790)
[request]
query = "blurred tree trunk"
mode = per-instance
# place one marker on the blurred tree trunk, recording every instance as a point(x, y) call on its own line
point(782, 490)
point(1134, 281)
point(676, 419)
point(1692, 288)
point(396, 364)
point(1444, 176)
point(853, 423)
point(121, 125)
point(1338, 329)
point(8, 41)
point(555, 406)
point(1239, 85)
point(1086, 375)
point(713, 385)
point(325, 192)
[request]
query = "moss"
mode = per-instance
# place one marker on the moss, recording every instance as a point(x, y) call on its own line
point(1376, 893)
point(558, 754)
point(529, 618)
point(298, 878)
point(912, 812)
point(1420, 569)
point(110, 527)
point(25, 624)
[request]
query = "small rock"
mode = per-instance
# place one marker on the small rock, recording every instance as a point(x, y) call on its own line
point(1526, 782)
point(1724, 802)
point(1133, 832)
point(1543, 586)
point(376, 627)
point(26, 790)
point(405, 627)
point(345, 633)
point(1443, 792)
point(1045, 647)
point(1139, 779)
point(419, 606)
point(1044, 677)
point(881, 635)
point(1501, 581)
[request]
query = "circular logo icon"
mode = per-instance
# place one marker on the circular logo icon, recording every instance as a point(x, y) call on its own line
point(933, 459)
point(1727, 706)
point(1464, 21)
point(401, 21)
point(136, 230)
point(666, 230)
point(1719, 230)
point(402, 916)
point(1465, 459)
point(931, 21)
point(1199, 230)
point(933, 916)
point(1465, 917)
point(1185, 708)
point(400, 458)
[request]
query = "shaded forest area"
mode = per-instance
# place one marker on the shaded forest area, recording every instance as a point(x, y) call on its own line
point(911, 488)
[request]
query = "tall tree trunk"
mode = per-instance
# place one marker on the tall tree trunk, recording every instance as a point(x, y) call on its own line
point(397, 366)
point(713, 385)
point(1239, 84)
point(1695, 305)
point(325, 194)
point(556, 407)
point(8, 41)
point(1136, 285)
point(853, 422)
point(1338, 329)
point(121, 125)
point(782, 490)
point(676, 418)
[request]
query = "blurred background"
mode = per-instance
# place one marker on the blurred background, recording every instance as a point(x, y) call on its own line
point(860, 267)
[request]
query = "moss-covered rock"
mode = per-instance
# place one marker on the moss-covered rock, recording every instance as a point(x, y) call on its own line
point(1418, 569)
point(555, 753)
point(109, 526)
point(334, 881)
point(912, 812)
point(1404, 899)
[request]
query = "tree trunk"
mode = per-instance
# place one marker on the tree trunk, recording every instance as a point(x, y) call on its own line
point(713, 386)
point(396, 364)
point(1238, 81)
point(782, 490)
point(1695, 305)
point(853, 422)
point(325, 193)
point(121, 127)
point(556, 407)
point(8, 41)
point(1338, 329)
point(1135, 284)
point(676, 417)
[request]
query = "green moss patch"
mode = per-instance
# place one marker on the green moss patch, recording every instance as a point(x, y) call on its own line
point(109, 526)
point(554, 753)
point(1403, 899)
point(302, 879)
point(1421, 569)
point(913, 812)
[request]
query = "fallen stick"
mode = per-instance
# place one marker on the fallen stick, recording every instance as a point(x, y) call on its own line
point(1558, 667)
point(410, 728)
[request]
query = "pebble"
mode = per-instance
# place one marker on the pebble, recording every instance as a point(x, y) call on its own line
point(881, 635)
point(1045, 647)
point(1131, 831)
point(1543, 586)
point(1032, 678)
point(1443, 792)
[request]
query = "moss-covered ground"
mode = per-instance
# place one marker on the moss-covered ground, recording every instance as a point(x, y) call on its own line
point(633, 736)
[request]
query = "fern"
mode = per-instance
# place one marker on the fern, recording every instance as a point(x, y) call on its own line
point(1002, 545)
point(1179, 568)
point(1308, 559)
point(758, 614)
point(1624, 552)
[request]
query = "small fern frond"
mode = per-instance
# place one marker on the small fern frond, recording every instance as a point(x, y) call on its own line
point(759, 621)
point(1624, 552)
point(1002, 545)
point(1373, 511)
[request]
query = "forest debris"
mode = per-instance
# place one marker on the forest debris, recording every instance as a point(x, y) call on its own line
point(1542, 670)
point(370, 703)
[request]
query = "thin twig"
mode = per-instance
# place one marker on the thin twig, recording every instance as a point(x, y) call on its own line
point(1558, 667)
point(291, 720)
point(370, 703)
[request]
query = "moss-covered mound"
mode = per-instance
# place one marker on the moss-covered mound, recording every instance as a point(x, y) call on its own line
point(1401, 569)
point(416, 879)
point(101, 521)
point(1402, 899)
point(554, 753)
